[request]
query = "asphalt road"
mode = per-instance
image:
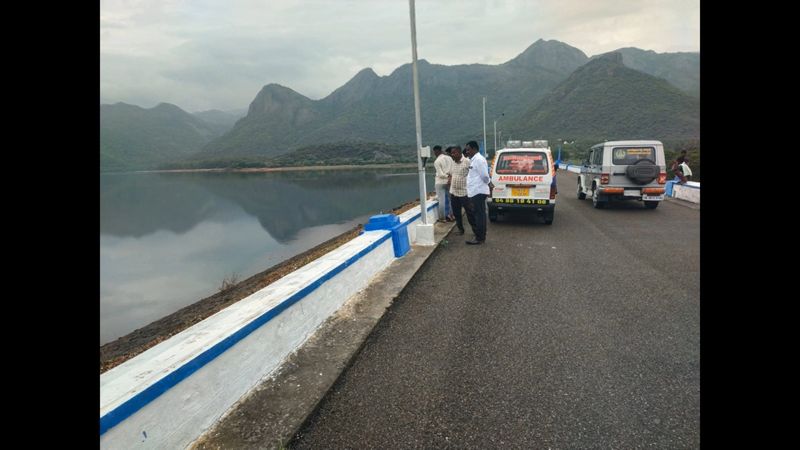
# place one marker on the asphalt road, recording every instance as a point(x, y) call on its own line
point(581, 334)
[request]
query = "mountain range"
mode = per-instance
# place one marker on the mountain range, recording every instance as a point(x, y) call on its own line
point(132, 137)
point(605, 99)
point(681, 69)
point(550, 90)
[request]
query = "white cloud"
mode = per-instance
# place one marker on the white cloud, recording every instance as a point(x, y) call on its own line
point(218, 54)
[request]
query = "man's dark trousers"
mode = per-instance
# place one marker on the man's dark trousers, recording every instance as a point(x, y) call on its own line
point(457, 203)
point(479, 216)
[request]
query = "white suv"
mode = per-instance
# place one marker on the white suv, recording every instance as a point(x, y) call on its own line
point(624, 170)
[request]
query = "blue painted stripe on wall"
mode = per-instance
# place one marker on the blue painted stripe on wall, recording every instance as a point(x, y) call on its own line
point(141, 399)
point(418, 215)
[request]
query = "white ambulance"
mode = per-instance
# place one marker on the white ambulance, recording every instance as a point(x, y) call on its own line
point(523, 177)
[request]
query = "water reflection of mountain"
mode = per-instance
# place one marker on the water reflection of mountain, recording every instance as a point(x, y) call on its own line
point(283, 202)
point(139, 204)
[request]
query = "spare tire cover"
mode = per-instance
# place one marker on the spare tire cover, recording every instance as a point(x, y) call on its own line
point(643, 171)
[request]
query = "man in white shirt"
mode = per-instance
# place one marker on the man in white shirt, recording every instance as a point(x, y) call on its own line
point(477, 191)
point(442, 182)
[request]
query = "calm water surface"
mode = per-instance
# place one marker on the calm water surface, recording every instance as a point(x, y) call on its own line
point(168, 240)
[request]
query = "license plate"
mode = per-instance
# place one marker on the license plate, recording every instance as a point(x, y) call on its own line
point(522, 201)
point(652, 197)
point(632, 193)
point(519, 191)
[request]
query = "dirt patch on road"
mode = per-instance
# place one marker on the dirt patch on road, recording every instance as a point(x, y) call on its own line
point(116, 352)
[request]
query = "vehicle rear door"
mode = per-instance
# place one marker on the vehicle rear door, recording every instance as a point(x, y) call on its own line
point(525, 176)
point(634, 167)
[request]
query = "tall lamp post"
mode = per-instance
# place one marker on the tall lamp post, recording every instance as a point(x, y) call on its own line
point(484, 126)
point(420, 167)
point(495, 131)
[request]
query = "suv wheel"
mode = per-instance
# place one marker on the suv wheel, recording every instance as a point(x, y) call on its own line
point(581, 194)
point(596, 200)
point(548, 219)
point(651, 205)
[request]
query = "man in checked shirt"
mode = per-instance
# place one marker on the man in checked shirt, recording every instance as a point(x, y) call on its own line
point(458, 187)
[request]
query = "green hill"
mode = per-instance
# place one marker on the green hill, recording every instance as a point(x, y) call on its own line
point(604, 99)
point(133, 138)
point(681, 69)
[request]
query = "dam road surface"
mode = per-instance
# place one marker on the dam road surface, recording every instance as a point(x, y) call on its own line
point(580, 334)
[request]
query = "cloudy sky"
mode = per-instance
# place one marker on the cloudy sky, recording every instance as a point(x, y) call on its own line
point(217, 54)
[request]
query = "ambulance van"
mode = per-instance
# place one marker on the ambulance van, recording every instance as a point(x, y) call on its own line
point(523, 177)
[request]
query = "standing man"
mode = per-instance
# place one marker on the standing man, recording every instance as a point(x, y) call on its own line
point(442, 165)
point(458, 188)
point(477, 191)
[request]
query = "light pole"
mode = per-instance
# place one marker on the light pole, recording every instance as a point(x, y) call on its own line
point(495, 136)
point(495, 131)
point(420, 167)
point(484, 126)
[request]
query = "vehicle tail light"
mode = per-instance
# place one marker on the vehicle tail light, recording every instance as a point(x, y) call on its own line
point(612, 190)
point(604, 178)
point(655, 191)
point(662, 178)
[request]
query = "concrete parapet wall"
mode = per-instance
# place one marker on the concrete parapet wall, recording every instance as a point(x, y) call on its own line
point(689, 192)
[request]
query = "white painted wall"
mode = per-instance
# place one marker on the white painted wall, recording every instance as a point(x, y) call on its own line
point(687, 192)
point(182, 413)
point(432, 216)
